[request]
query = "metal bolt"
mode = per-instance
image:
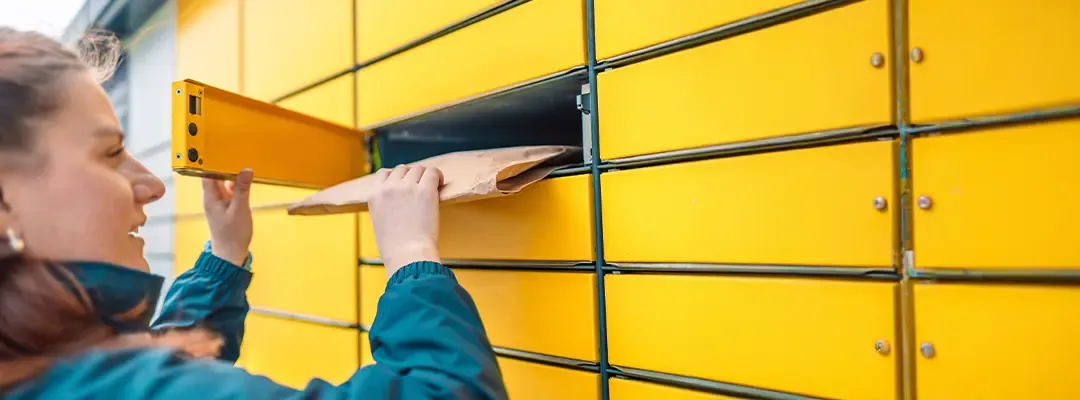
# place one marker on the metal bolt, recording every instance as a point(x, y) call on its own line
point(917, 55)
point(192, 129)
point(880, 203)
point(877, 60)
point(200, 161)
point(192, 154)
point(177, 156)
point(882, 346)
point(177, 92)
point(927, 350)
point(925, 202)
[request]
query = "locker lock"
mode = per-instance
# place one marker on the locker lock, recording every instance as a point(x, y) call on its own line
point(882, 346)
point(877, 60)
point(924, 202)
point(927, 350)
point(880, 203)
point(917, 55)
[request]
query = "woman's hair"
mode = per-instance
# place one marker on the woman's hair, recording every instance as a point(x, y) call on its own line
point(44, 313)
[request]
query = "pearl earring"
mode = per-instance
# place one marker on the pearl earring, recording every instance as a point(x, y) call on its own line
point(14, 241)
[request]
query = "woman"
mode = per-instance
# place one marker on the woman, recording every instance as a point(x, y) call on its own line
point(75, 293)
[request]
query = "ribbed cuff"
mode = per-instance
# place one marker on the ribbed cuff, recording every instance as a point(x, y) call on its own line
point(420, 269)
point(225, 271)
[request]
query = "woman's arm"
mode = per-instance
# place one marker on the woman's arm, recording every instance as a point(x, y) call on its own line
point(427, 340)
point(213, 294)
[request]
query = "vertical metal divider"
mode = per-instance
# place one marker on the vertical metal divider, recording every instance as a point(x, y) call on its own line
point(904, 310)
point(356, 216)
point(598, 220)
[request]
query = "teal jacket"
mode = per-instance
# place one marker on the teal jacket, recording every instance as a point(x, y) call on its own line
point(427, 341)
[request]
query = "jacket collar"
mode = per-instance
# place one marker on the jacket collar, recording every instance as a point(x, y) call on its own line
point(123, 298)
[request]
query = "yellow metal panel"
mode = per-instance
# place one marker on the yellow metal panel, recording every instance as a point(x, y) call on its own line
point(529, 41)
point(807, 75)
point(365, 350)
point(331, 101)
point(303, 265)
point(992, 56)
point(542, 312)
point(625, 389)
point(530, 381)
point(208, 42)
point(627, 25)
point(814, 337)
point(289, 44)
point(1000, 198)
point(997, 341)
point(550, 220)
point(372, 284)
point(384, 25)
point(292, 353)
point(809, 207)
point(228, 132)
point(189, 236)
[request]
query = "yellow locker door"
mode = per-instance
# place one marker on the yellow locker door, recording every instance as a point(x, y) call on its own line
point(289, 44)
point(532, 381)
point(292, 352)
point(997, 341)
point(999, 198)
point(812, 336)
point(625, 389)
point(978, 57)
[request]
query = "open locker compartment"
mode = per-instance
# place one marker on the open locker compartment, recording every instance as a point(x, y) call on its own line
point(486, 146)
point(544, 111)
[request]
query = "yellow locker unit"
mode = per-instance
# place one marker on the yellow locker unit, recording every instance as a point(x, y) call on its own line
point(531, 381)
point(382, 26)
point(547, 222)
point(289, 44)
point(969, 58)
point(624, 389)
point(996, 341)
point(998, 198)
point(825, 206)
point(627, 25)
point(293, 352)
point(540, 312)
point(807, 75)
point(537, 38)
point(811, 336)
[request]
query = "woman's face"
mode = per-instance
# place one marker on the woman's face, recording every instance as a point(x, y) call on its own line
point(82, 197)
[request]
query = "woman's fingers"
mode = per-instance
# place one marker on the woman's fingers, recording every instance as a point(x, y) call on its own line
point(414, 174)
point(398, 173)
point(432, 178)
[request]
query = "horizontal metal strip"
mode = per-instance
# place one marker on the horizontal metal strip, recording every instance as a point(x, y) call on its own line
point(555, 361)
point(575, 72)
point(874, 273)
point(802, 140)
point(986, 275)
point(760, 21)
point(446, 30)
point(305, 318)
point(509, 265)
point(702, 385)
point(967, 124)
point(569, 172)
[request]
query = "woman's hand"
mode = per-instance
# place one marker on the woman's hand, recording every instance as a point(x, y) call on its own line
point(228, 212)
point(405, 212)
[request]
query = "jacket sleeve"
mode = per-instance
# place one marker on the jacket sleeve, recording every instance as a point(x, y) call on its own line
point(427, 340)
point(212, 295)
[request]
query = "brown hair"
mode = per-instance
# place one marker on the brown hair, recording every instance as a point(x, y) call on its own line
point(44, 313)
